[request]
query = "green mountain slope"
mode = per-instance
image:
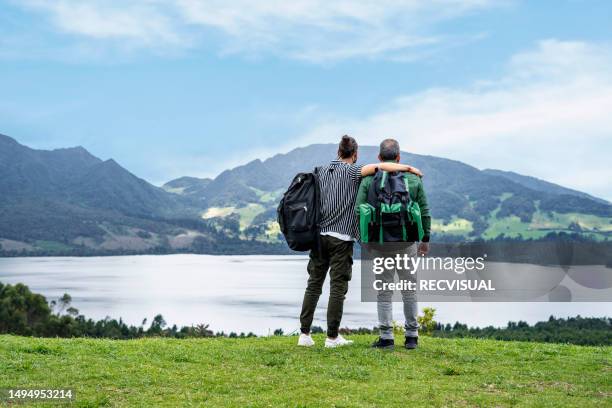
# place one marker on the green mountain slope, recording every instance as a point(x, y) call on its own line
point(67, 201)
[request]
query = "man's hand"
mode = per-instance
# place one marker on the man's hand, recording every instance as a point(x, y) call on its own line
point(414, 170)
point(423, 249)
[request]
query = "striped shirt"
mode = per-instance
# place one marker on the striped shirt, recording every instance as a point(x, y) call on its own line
point(338, 184)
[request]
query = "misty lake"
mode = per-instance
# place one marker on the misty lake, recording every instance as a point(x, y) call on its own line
point(232, 293)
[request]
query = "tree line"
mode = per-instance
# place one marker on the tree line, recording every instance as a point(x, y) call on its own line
point(584, 331)
point(25, 313)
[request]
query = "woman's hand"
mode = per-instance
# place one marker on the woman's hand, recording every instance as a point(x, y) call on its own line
point(414, 170)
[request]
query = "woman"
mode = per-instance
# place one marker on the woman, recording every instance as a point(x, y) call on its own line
point(338, 184)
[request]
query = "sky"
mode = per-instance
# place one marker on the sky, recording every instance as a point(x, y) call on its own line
point(193, 87)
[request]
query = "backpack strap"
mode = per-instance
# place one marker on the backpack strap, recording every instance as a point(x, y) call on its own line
point(407, 187)
point(316, 171)
point(383, 180)
point(381, 188)
point(409, 202)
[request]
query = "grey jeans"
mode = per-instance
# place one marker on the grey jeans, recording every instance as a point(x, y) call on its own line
point(384, 303)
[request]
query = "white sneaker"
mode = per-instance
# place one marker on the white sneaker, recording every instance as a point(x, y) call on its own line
point(305, 340)
point(337, 342)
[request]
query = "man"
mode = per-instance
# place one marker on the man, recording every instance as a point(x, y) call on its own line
point(338, 182)
point(390, 152)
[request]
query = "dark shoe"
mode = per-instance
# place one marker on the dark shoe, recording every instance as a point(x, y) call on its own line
point(386, 344)
point(411, 343)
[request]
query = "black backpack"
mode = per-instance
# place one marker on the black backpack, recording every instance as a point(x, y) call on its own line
point(390, 215)
point(298, 212)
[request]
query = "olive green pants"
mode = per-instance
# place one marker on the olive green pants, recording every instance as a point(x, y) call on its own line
point(336, 256)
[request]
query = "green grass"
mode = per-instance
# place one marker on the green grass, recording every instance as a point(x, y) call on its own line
point(586, 221)
point(263, 372)
point(456, 226)
point(213, 212)
point(543, 222)
point(511, 227)
point(248, 213)
point(268, 196)
point(51, 246)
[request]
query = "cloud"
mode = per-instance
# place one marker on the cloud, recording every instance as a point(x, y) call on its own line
point(141, 23)
point(547, 116)
point(312, 30)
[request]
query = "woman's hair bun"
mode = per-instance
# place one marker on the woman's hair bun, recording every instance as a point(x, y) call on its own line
point(348, 147)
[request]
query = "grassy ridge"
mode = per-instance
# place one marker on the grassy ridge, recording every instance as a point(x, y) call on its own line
point(274, 372)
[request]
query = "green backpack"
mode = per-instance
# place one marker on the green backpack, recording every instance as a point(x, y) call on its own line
point(390, 215)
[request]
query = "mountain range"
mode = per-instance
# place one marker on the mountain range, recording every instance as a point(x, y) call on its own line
point(466, 202)
point(67, 201)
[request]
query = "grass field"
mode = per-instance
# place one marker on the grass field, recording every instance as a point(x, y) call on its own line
point(456, 226)
point(273, 371)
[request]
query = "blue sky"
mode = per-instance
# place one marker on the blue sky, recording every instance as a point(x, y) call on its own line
point(191, 87)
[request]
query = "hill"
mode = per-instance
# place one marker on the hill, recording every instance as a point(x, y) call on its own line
point(466, 202)
point(69, 202)
point(273, 371)
point(541, 185)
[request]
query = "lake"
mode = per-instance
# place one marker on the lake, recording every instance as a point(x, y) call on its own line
point(232, 293)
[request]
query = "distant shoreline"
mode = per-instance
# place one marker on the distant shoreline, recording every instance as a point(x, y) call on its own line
point(545, 253)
